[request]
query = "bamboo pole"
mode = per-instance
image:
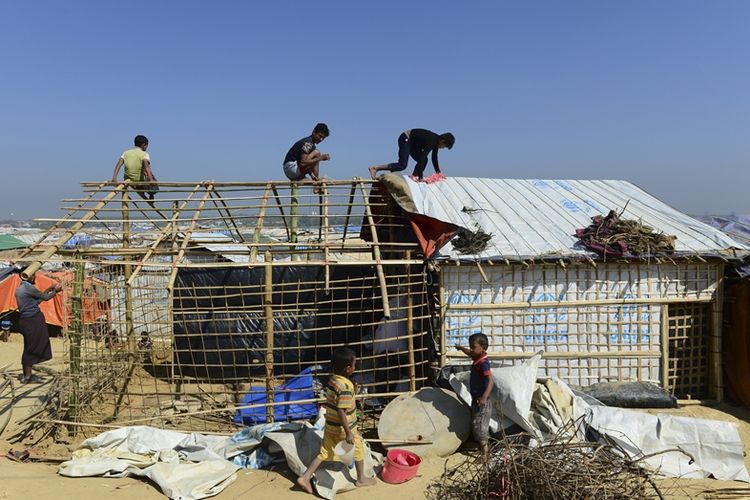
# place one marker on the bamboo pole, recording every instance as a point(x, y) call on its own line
point(281, 209)
point(229, 216)
point(442, 308)
point(268, 310)
point(324, 229)
point(229, 409)
point(82, 202)
point(127, 270)
point(665, 347)
point(293, 221)
point(239, 184)
point(187, 235)
point(574, 303)
point(75, 335)
point(410, 333)
point(35, 265)
point(259, 225)
point(376, 254)
point(567, 354)
point(716, 388)
point(349, 210)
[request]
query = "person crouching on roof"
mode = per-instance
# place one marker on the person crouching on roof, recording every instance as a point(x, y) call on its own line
point(417, 143)
point(303, 158)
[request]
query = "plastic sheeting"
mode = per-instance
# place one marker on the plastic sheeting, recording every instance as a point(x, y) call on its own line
point(296, 389)
point(715, 446)
point(194, 466)
point(226, 338)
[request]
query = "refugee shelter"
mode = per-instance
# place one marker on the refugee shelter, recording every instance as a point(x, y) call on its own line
point(225, 300)
point(533, 286)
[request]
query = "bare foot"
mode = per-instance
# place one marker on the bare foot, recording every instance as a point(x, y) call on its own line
point(366, 481)
point(373, 172)
point(304, 483)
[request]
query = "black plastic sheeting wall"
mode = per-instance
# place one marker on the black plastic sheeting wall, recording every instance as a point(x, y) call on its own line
point(221, 341)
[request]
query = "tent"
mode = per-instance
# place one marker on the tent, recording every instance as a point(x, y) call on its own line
point(8, 242)
point(53, 310)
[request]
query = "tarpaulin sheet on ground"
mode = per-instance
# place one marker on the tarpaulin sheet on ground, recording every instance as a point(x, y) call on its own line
point(193, 466)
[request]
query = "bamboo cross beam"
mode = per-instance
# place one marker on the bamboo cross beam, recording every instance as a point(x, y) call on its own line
point(66, 218)
point(34, 266)
point(229, 215)
point(268, 312)
point(376, 253)
point(324, 228)
point(168, 230)
point(188, 234)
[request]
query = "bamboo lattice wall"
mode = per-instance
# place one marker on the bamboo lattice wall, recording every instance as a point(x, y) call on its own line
point(613, 322)
point(179, 308)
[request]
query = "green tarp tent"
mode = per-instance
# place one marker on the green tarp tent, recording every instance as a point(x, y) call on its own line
point(8, 242)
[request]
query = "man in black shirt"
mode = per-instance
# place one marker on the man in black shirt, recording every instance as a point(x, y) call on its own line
point(303, 158)
point(417, 143)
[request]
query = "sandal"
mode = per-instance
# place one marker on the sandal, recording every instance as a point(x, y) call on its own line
point(19, 456)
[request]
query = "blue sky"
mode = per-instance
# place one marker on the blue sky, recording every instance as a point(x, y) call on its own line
point(652, 92)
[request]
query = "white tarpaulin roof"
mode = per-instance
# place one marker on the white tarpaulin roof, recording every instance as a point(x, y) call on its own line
point(531, 218)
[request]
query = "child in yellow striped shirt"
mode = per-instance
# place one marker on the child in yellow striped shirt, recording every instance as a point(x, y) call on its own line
point(341, 420)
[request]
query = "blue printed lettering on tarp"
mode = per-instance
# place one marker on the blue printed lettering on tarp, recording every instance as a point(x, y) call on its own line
point(546, 323)
point(630, 332)
point(460, 326)
point(298, 388)
point(575, 206)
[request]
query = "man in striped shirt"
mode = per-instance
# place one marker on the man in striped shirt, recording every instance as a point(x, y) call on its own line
point(341, 420)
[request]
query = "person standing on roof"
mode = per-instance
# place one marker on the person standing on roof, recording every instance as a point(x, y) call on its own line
point(36, 346)
point(417, 143)
point(303, 158)
point(138, 168)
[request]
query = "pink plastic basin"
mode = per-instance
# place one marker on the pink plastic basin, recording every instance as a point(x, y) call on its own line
point(400, 466)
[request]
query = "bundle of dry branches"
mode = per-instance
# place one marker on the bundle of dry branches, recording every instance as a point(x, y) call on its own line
point(563, 468)
point(616, 237)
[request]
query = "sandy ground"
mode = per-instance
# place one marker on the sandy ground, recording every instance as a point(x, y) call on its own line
point(41, 482)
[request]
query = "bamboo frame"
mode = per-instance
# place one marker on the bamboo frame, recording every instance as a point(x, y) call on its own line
point(147, 305)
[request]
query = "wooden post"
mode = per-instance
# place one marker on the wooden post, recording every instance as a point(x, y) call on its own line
point(716, 387)
point(75, 334)
point(664, 325)
point(410, 328)
point(268, 309)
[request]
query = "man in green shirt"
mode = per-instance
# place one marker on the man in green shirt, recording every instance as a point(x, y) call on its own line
point(137, 167)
